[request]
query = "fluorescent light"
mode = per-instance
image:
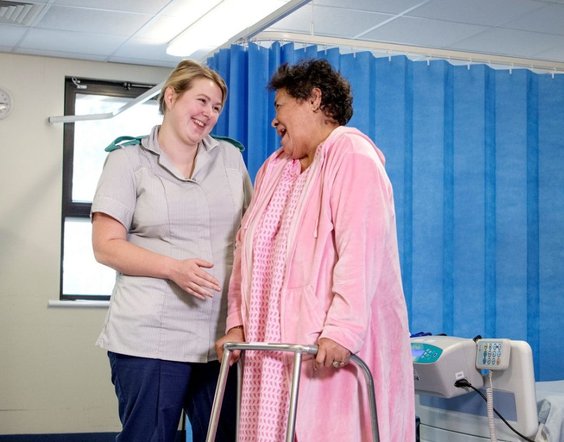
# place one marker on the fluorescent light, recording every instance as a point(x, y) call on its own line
point(221, 23)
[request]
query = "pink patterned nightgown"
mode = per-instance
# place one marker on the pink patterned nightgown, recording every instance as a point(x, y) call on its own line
point(265, 392)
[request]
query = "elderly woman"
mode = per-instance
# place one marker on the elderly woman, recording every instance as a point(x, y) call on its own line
point(317, 263)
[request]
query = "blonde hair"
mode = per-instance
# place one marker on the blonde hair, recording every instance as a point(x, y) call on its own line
point(182, 77)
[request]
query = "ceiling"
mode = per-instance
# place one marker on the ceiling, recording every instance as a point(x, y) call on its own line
point(137, 31)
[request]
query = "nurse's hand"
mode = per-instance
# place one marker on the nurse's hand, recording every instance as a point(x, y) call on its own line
point(235, 334)
point(190, 276)
point(331, 354)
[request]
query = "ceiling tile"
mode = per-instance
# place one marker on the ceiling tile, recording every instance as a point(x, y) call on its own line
point(328, 22)
point(555, 53)
point(132, 6)
point(549, 19)
point(163, 29)
point(93, 21)
point(10, 35)
point(478, 12)
point(423, 32)
point(383, 6)
point(530, 43)
point(81, 42)
point(140, 49)
point(189, 10)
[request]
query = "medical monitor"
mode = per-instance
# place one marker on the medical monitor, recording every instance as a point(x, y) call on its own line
point(464, 418)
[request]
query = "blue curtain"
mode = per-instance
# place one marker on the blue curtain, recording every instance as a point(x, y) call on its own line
point(476, 158)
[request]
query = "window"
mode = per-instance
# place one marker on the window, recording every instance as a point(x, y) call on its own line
point(83, 158)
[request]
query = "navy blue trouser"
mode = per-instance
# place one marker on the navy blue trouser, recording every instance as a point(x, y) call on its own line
point(152, 394)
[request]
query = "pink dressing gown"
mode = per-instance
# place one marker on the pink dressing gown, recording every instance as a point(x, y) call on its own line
point(341, 280)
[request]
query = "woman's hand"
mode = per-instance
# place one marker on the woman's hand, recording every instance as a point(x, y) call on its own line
point(330, 354)
point(235, 334)
point(190, 276)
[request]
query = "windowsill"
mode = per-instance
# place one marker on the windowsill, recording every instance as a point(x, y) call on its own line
point(57, 303)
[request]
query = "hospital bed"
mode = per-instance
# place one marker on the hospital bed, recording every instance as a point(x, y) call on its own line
point(550, 406)
point(452, 377)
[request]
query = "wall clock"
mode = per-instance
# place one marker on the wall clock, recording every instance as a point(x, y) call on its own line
point(5, 103)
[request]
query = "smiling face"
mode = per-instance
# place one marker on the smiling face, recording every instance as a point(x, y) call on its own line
point(193, 113)
point(294, 123)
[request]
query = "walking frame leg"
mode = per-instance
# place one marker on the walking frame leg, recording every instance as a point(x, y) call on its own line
point(294, 387)
point(218, 397)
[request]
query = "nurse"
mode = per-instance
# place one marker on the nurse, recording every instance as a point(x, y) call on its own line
point(164, 216)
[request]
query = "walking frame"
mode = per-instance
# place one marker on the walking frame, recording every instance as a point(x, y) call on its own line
point(299, 351)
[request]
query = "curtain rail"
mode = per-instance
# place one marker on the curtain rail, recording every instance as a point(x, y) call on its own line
point(390, 49)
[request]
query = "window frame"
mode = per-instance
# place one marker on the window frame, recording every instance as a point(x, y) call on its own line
point(70, 208)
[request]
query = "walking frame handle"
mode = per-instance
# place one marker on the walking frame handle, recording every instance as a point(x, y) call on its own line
point(299, 351)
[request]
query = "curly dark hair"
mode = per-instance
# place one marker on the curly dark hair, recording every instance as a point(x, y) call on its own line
point(300, 79)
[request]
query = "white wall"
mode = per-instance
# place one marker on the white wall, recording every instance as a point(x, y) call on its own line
point(52, 377)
